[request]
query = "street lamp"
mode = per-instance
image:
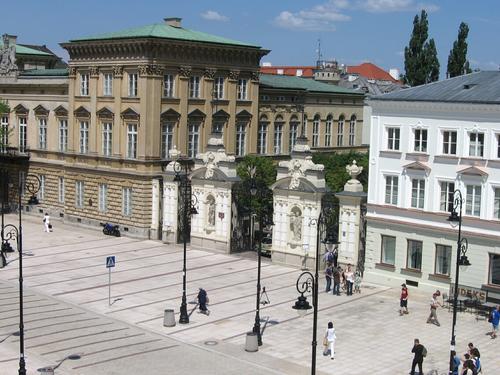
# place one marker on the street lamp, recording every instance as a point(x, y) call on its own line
point(50, 370)
point(462, 260)
point(307, 282)
point(182, 168)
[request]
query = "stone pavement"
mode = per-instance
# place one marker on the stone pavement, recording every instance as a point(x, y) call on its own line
point(67, 312)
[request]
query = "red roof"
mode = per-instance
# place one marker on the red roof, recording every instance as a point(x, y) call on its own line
point(371, 71)
point(307, 71)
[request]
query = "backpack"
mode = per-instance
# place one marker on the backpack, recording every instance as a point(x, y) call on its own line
point(329, 257)
point(424, 351)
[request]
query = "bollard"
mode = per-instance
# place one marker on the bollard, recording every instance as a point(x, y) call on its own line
point(251, 344)
point(169, 318)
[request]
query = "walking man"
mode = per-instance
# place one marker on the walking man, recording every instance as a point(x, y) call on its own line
point(419, 353)
point(495, 319)
point(328, 276)
point(403, 300)
point(337, 272)
point(202, 301)
point(434, 305)
point(46, 222)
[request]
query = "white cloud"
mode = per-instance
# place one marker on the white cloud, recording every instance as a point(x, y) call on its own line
point(320, 17)
point(387, 6)
point(212, 15)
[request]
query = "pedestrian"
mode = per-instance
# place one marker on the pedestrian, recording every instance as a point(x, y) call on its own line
point(476, 360)
point(329, 341)
point(3, 259)
point(357, 282)
point(419, 353)
point(46, 222)
point(434, 305)
point(329, 257)
point(203, 301)
point(470, 348)
point(328, 277)
point(468, 365)
point(494, 319)
point(337, 273)
point(456, 362)
point(349, 277)
point(403, 300)
point(335, 253)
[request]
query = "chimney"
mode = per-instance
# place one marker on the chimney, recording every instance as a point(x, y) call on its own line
point(173, 21)
point(9, 40)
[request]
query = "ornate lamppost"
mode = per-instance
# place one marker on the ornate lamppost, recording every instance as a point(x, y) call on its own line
point(307, 282)
point(182, 168)
point(462, 246)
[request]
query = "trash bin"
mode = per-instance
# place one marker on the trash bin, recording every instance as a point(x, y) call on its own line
point(252, 342)
point(169, 318)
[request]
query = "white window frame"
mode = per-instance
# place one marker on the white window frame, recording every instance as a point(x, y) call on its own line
point(476, 148)
point(240, 138)
point(393, 138)
point(417, 198)
point(133, 84)
point(278, 137)
point(84, 136)
point(496, 202)
point(194, 87)
point(473, 192)
point(219, 88)
point(352, 130)
point(340, 131)
point(315, 134)
point(23, 134)
point(84, 84)
point(168, 86)
point(294, 133)
point(132, 135)
point(107, 84)
point(107, 138)
point(418, 246)
point(42, 133)
point(79, 193)
point(384, 258)
point(328, 131)
point(242, 89)
point(167, 138)
point(103, 197)
point(420, 140)
point(127, 201)
point(193, 138)
point(447, 259)
point(446, 195)
point(262, 137)
point(449, 144)
point(63, 134)
point(41, 191)
point(391, 189)
point(4, 124)
point(61, 189)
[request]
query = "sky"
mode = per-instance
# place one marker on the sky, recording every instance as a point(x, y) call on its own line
point(351, 31)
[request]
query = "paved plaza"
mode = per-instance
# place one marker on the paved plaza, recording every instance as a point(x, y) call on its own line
point(67, 312)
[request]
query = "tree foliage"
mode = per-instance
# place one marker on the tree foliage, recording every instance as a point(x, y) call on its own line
point(457, 59)
point(421, 62)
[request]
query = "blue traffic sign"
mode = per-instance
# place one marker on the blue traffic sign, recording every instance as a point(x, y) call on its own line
point(110, 261)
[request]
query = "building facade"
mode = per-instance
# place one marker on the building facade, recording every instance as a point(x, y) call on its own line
point(426, 142)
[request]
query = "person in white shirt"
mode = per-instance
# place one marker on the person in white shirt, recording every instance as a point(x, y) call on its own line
point(46, 222)
point(349, 277)
point(330, 338)
point(434, 305)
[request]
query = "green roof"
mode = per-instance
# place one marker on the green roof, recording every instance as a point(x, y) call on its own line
point(164, 31)
point(299, 83)
point(63, 72)
point(22, 50)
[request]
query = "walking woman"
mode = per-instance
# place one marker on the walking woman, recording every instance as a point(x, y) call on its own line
point(330, 338)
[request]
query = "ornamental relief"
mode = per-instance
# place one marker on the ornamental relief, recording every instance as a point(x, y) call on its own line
point(209, 73)
point(185, 71)
point(72, 71)
point(94, 71)
point(118, 71)
point(234, 75)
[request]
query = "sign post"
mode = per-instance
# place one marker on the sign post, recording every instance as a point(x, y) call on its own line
point(110, 263)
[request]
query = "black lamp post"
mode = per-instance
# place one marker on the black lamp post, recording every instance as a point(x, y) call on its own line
point(182, 168)
point(462, 246)
point(308, 282)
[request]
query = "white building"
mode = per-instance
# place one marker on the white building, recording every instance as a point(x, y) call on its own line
point(425, 142)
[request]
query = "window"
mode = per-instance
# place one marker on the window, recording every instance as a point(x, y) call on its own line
point(315, 138)
point(218, 124)
point(219, 88)
point(393, 139)
point(443, 260)
point(496, 204)
point(340, 132)
point(262, 137)
point(264, 98)
point(242, 89)
point(278, 137)
point(447, 196)
point(103, 197)
point(473, 200)
point(63, 135)
point(240, 138)
point(167, 138)
point(417, 193)
point(127, 201)
point(193, 138)
point(84, 84)
point(420, 140)
point(281, 98)
point(498, 145)
point(305, 124)
point(23, 134)
point(42, 133)
point(107, 84)
point(132, 84)
point(194, 87)
point(84, 137)
point(79, 193)
point(391, 189)
point(107, 138)
point(328, 131)
point(294, 131)
point(388, 253)
point(41, 191)
point(168, 86)
point(414, 255)
point(61, 190)
point(476, 144)
point(449, 142)
point(494, 277)
point(4, 131)
point(352, 130)
point(132, 141)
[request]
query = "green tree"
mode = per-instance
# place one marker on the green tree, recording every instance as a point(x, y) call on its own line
point(421, 62)
point(457, 59)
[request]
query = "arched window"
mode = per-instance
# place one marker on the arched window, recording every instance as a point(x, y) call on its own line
point(278, 135)
point(352, 130)
point(240, 138)
point(340, 131)
point(294, 132)
point(315, 135)
point(262, 135)
point(328, 131)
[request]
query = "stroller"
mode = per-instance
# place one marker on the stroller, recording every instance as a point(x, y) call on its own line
point(203, 301)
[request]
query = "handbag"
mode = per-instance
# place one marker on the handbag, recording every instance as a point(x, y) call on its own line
point(50, 226)
point(325, 341)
